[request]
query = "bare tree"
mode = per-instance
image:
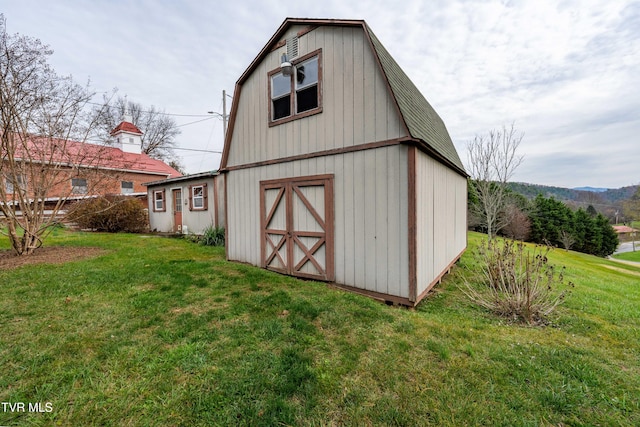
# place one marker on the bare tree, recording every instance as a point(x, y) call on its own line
point(567, 239)
point(492, 160)
point(158, 129)
point(517, 225)
point(44, 126)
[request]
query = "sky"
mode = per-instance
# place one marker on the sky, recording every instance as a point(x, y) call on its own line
point(565, 73)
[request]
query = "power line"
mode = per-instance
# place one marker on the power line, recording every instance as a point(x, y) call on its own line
point(197, 121)
point(160, 112)
point(195, 149)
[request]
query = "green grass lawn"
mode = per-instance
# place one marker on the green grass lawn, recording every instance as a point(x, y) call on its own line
point(630, 256)
point(163, 332)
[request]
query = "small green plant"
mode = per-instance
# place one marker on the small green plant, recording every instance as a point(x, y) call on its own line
point(516, 283)
point(213, 236)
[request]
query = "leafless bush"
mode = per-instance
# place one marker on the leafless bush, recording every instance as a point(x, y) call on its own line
point(112, 214)
point(516, 282)
point(517, 223)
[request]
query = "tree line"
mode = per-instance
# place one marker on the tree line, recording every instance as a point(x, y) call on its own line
point(494, 208)
point(549, 221)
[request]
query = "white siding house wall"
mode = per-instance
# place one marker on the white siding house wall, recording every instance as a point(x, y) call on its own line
point(441, 219)
point(195, 221)
point(160, 221)
point(357, 107)
point(370, 210)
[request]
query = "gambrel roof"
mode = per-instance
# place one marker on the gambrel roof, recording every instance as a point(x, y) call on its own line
point(424, 126)
point(421, 120)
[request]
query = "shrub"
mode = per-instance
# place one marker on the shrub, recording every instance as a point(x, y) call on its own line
point(213, 236)
point(111, 213)
point(515, 282)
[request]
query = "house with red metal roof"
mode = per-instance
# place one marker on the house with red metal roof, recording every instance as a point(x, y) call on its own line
point(625, 233)
point(84, 170)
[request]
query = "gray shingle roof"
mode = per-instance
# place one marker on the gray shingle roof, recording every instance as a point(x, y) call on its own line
point(422, 121)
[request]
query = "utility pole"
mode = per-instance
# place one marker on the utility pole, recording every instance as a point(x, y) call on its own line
point(224, 114)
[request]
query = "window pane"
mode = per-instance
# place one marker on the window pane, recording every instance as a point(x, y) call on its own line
point(126, 187)
point(281, 108)
point(307, 99)
point(159, 202)
point(79, 185)
point(280, 85)
point(198, 197)
point(307, 73)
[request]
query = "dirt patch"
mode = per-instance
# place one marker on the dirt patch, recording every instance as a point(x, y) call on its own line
point(47, 255)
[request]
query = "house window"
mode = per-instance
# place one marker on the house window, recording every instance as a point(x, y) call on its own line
point(126, 187)
point(198, 197)
point(280, 96)
point(297, 95)
point(10, 182)
point(307, 85)
point(158, 201)
point(78, 186)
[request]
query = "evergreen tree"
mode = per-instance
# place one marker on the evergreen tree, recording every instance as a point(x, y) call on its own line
point(609, 237)
point(549, 218)
point(581, 222)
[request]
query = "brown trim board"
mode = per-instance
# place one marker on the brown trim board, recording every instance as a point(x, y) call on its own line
point(226, 218)
point(396, 299)
point(413, 224)
point(230, 126)
point(215, 200)
point(332, 152)
point(375, 295)
point(439, 277)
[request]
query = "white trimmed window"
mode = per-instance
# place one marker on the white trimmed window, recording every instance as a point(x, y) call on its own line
point(198, 197)
point(12, 181)
point(79, 186)
point(159, 204)
point(297, 95)
point(126, 187)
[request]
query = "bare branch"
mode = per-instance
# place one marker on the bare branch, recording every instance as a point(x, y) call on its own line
point(45, 125)
point(492, 161)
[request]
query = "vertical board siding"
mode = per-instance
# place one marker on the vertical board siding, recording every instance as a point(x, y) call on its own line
point(196, 221)
point(356, 105)
point(219, 182)
point(441, 218)
point(160, 221)
point(369, 218)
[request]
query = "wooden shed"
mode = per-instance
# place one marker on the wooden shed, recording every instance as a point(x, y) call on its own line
point(338, 169)
point(186, 204)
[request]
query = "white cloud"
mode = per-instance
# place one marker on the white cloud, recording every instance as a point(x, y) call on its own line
point(564, 72)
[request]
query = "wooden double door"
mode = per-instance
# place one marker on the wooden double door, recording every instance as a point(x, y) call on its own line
point(297, 226)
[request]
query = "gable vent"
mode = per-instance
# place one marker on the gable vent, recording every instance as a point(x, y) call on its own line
point(292, 47)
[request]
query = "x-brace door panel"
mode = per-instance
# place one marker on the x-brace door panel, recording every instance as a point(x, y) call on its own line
point(298, 227)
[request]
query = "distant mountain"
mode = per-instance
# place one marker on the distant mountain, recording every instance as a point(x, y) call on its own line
point(592, 189)
point(606, 196)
